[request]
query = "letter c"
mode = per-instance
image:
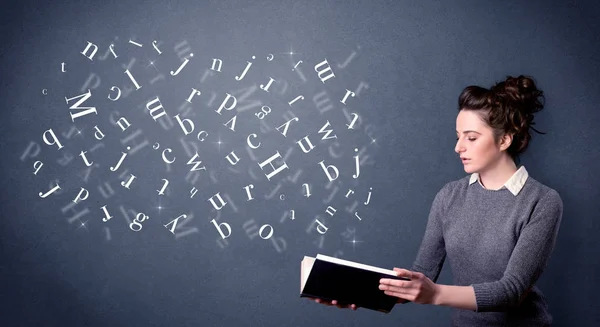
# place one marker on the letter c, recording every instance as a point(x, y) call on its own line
point(250, 144)
point(165, 158)
point(202, 140)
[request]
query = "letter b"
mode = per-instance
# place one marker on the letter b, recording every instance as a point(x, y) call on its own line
point(336, 172)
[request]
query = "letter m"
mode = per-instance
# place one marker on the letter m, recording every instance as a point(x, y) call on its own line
point(82, 110)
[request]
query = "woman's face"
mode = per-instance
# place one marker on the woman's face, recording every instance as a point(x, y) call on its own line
point(475, 142)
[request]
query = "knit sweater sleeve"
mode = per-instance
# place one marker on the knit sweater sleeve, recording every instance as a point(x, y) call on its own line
point(432, 251)
point(528, 259)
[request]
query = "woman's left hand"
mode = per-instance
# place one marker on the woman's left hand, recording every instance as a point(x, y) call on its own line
point(420, 289)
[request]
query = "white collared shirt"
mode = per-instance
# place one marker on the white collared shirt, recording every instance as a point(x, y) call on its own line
point(514, 184)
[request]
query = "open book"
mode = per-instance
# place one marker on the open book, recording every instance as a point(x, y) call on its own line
point(347, 282)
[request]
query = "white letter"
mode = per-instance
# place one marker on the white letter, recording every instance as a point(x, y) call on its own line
point(335, 170)
point(91, 56)
point(181, 123)
point(268, 162)
point(54, 139)
point(83, 97)
point(323, 71)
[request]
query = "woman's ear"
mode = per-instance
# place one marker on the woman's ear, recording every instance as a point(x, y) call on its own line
point(506, 141)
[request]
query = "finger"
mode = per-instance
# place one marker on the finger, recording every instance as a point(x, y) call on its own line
point(396, 289)
point(394, 282)
point(401, 295)
point(403, 273)
point(322, 301)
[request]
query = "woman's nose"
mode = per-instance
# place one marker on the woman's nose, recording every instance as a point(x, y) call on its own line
point(458, 148)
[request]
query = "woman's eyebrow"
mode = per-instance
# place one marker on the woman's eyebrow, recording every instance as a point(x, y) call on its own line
point(465, 132)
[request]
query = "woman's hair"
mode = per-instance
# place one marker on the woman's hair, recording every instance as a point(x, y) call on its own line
point(507, 107)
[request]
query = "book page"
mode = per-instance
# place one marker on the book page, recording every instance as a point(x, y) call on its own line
point(355, 264)
point(305, 268)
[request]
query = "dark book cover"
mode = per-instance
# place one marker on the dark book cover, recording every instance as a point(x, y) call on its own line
point(347, 282)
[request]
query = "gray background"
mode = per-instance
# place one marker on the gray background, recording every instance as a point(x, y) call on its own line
point(415, 59)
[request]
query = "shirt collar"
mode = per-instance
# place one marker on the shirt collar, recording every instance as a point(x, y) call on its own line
point(514, 184)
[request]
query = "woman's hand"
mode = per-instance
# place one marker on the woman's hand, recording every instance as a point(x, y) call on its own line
point(419, 289)
point(334, 302)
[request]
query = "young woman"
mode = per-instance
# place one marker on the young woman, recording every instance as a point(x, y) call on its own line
point(496, 226)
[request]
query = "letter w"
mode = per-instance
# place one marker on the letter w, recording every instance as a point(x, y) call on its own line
point(195, 163)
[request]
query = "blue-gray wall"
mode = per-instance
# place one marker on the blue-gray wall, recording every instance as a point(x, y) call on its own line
point(61, 265)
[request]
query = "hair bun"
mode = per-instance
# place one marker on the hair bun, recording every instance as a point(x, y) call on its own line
point(522, 93)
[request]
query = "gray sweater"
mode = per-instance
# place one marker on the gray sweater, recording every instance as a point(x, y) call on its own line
point(498, 242)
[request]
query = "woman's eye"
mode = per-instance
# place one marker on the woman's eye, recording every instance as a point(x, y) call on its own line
point(472, 139)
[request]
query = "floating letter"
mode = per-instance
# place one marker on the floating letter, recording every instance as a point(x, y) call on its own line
point(194, 92)
point(218, 226)
point(91, 56)
point(174, 222)
point(307, 190)
point(287, 125)
point(369, 196)
point(87, 110)
point(156, 47)
point(263, 112)
point(108, 216)
point(157, 107)
point(50, 192)
point(85, 160)
point(239, 78)
point(54, 139)
point(348, 93)
point(247, 188)
point(357, 164)
point(137, 86)
point(327, 132)
point(266, 88)
point(118, 93)
point(335, 171)
point(185, 61)
point(268, 162)
point(37, 166)
point(220, 200)
point(296, 99)
point(137, 222)
point(162, 190)
point(124, 154)
point(181, 122)
point(324, 70)
point(195, 163)
point(229, 96)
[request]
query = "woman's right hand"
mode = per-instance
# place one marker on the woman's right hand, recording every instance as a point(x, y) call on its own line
point(346, 306)
point(336, 303)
